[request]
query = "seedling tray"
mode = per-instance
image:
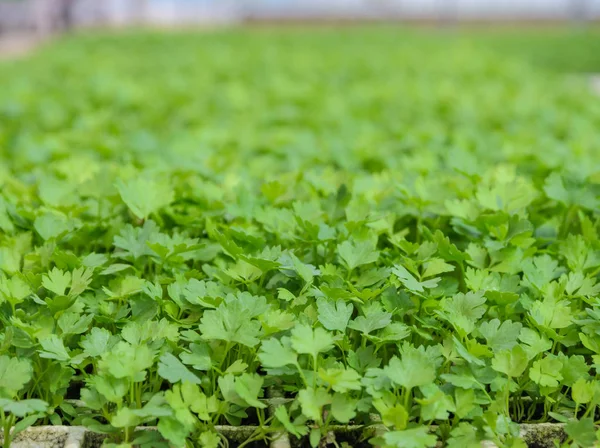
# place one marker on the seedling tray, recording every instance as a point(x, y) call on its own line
point(539, 435)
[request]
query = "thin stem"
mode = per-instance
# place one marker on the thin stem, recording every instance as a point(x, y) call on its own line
point(225, 353)
point(566, 224)
point(407, 400)
point(301, 374)
point(315, 371)
point(7, 424)
point(507, 396)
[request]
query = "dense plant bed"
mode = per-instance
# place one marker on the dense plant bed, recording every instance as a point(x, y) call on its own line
point(370, 222)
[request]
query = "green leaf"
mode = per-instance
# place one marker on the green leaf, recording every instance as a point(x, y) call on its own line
point(435, 404)
point(311, 341)
point(573, 368)
point(51, 225)
point(199, 357)
point(74, 323)
point(133, 241)
point(96, 342)
point(238, 366)
point(14, 374)
point(552, 312)
point(171, 369)
point(341, 380)
point(555, 189)
point(144, 196)
point(546, 372)
point(230, 322)
point(277, 353)
point(583, 391)
point(511, 362)
point(209, 439)
point(25, 423)
point(464, 436)
point(343, 407)
point(418, 437)
point(249, 386)
point(304, 270)
point(414, 368)
point(125, 360)
point(464, 310)
point(583, 432)
point(466, 354)
point(112, 389)
point(392, 414)
point(275, 321)
point(436, 266)
point(80, 280)
point(312, 402)
point(534, 342)
point(204, 407)
point(465, 402)
point(14, 290)
point(298, 430)
point(57, 281)
point(371, 322)
point(500, 336)
point(172, 430)
point(357, 253)
point(22, 408)
point(411, 283)
point(539, 271)
point(54, 348)
point(334, 315)
point(124, 418)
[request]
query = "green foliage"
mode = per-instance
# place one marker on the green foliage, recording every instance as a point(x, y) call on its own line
point(194, 219)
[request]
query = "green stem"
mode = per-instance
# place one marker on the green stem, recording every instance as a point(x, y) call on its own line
point(315, 371)
point(138, 393)
point(566, 224)
point(349, 274)
point(462, 285)
point(225, 353)
point(407, 400)
point(590, 408)
point(132, 394)
point(507, 396)
point(7, 424)
point(301, 374)
point(418, 229)
point(256, 435)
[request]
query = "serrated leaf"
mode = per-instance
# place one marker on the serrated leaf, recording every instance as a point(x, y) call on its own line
point(413, 368)
point(511, 362)
point(54, 348)
point(14, 374)
point(343, 407)
point(171, 369)
point(546, 372)
point(248, 386)
point(371, 322)
point(144, 195)
point(57, 281)
point(354, 254)
point(334, 315)
point(277, 353)
point(411, 283)
point(311, 341)
point(418, 437)
point(312, 402)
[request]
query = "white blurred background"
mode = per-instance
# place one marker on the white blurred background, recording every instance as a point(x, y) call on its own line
point(46, 16)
